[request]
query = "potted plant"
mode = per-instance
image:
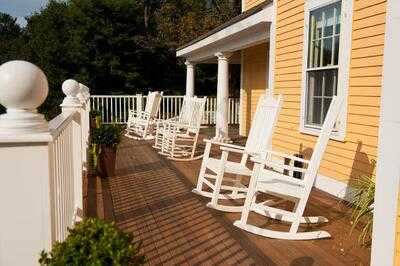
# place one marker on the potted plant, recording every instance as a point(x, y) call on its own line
point(95, 119)
point(105, 140)
point(94, 242)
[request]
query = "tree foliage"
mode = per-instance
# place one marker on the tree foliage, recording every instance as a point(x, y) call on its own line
point(114, 46)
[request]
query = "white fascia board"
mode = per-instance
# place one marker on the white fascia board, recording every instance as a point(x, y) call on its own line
point(263, 16)
point(239, 42)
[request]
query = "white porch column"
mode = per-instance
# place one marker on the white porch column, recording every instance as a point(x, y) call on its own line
point(190, 76)
point(221, 127)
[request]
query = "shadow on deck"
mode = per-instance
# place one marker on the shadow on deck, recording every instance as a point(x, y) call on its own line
point(151, 198)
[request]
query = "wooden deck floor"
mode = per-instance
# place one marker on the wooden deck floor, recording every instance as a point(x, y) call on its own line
point(151, 198)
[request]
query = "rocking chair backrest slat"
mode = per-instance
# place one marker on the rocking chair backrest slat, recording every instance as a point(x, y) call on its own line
point(184, 114)
point(322, 141)
point(263, 124)
point(197, 111)
point(153, 103)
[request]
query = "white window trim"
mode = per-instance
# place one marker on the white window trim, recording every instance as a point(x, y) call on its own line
point(343, 64)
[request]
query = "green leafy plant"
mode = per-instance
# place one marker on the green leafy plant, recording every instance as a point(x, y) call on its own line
point(95, 118)
point(362, 203)
point(107, 135)
point(94, 242)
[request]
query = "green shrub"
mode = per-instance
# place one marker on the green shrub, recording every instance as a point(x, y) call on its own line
point(363, 202)
point(94, 242)
point(107, 135)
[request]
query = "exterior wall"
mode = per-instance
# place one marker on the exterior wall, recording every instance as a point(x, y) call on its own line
point(252, 3)
point(254, 82)
point(353, 157)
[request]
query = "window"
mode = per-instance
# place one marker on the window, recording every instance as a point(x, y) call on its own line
point(326, 60)
point(322, 66)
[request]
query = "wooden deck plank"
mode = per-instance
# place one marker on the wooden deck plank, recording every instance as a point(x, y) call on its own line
point(151, 198)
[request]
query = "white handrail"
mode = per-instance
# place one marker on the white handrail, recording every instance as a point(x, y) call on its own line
point(115, 108)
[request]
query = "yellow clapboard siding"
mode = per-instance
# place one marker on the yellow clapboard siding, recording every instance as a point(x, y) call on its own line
point(367, 81)
point(252, 3)
point(369, 21)
point(359, 110)
point(361, 4)
point(365, 91)
point(344, 160)
point(367, 61)
point(369, 41)
point(364, 100)
point(370, 11)
point(297, 10)
point(284, 7)
point(367, 51)
point(370, 31)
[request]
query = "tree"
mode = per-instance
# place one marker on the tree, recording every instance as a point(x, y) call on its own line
point(114, 46)
point(10, 34)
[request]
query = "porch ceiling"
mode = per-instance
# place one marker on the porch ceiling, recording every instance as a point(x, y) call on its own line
point(248, 29)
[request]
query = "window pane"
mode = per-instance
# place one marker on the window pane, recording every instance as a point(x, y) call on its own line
point(316, 23)
point(336, 56)
point(315, 112)
point(329, 21)
point(315, 83)
point(321, 86)
point(327, 53)
point(330, 82)
point(327, 103)
point(337, 17)
point(315, 54)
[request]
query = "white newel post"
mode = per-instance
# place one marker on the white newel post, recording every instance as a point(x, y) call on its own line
point(221, 126)
point(72, 105)
point(190, 78)
point(84, 97)
point(25, 165)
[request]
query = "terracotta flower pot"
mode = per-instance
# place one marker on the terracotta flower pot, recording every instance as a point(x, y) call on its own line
point(107, 161)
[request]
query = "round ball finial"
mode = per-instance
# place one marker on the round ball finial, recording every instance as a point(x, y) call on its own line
point(22, 85)
point(23, 88)
point(71, 89)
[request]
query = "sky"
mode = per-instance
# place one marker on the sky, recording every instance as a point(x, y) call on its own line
point(21, 8)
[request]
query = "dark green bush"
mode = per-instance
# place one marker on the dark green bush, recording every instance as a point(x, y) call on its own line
point(94, 242)
point(107, 135)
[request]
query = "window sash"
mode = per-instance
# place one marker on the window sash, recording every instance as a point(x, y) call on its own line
point(320, 70)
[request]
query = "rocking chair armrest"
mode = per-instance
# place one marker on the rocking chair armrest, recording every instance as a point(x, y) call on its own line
point(284, 166)
point(279, 154)
point(228, 149)
point(233, 146)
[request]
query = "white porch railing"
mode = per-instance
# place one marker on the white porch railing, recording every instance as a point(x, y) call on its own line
point(115, 109)
point(41, 163)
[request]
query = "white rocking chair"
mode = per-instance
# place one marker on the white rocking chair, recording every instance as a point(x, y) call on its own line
point(265, 180)
point(179, 139)
point(183, 118)
point(141, 123)
point(259, 140)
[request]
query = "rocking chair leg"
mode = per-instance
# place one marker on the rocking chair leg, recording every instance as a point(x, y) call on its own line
point(220, 176)
point(251, 194)
point(203, 168)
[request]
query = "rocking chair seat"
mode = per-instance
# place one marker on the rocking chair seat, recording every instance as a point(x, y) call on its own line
point(230, 167)
point(275, 187)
